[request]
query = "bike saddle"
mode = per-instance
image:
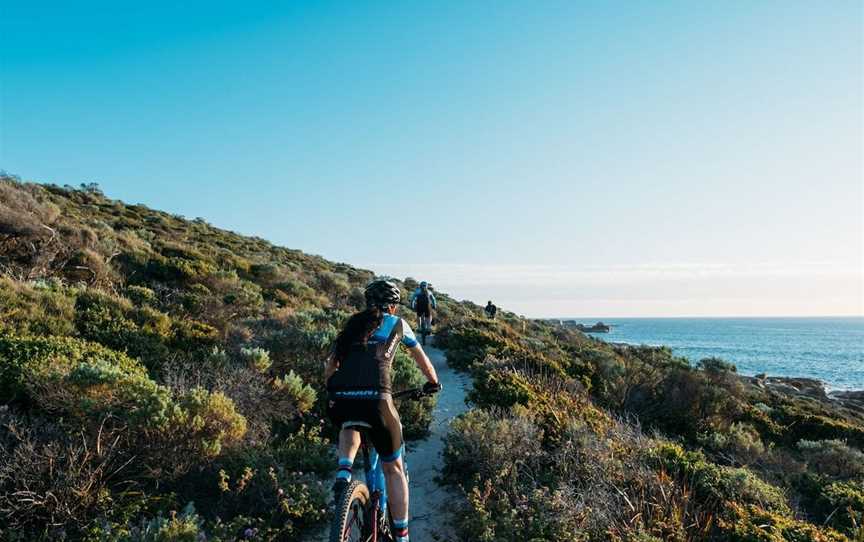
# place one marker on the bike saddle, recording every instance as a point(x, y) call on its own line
point(348, 424)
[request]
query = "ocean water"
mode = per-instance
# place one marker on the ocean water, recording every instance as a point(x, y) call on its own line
point(828, 349)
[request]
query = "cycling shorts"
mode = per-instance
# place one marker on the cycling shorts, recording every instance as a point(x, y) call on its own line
point(385, 429)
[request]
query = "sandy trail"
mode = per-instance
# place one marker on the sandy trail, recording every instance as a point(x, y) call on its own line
point(429, 501)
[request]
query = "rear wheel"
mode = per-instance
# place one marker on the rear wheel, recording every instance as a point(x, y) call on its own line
point(350, 523)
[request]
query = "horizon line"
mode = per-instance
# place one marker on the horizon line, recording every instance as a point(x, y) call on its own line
point(739, 317)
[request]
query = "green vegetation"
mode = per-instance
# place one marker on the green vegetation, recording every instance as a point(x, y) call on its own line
point(570, 438)
point(160, 380)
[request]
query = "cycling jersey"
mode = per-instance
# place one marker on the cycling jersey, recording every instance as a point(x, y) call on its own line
point(365, 372)
point(359, 390)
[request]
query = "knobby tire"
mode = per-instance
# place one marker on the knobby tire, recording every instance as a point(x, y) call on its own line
point(355, 499)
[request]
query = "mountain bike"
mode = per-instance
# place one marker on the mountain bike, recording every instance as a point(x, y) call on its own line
point(362, 514)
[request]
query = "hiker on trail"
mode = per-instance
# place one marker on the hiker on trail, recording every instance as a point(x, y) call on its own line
point(423, 302)
point(491, 310)
point(358, 379)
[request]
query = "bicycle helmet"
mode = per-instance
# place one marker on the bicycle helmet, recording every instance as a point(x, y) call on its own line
point(381, 293)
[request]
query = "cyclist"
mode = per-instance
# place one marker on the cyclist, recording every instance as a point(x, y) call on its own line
point(357, 374)
point(423, 302)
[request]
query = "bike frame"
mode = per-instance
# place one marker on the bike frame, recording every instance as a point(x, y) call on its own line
point(374, 473)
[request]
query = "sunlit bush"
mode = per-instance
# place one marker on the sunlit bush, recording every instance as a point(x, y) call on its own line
point(833, 458)
point(257, 359)
point(21, 358)
point(41, 308)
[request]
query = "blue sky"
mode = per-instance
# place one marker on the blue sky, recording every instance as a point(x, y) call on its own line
point(563, 158)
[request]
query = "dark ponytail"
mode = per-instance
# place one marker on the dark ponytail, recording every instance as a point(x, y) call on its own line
point(357, 329)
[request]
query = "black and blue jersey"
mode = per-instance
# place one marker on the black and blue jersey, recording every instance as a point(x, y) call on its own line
point(365, 372)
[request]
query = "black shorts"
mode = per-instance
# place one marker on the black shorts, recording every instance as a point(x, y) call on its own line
point(424, 314)
point(380, 414)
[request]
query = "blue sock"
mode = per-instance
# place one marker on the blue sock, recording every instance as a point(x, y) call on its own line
point(400, 530)
point(344, 472)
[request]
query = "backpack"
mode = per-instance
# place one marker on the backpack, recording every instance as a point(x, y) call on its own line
point(421, 304)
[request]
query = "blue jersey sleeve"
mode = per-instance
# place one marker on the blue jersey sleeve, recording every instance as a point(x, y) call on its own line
point(408, 337)
point(432, 302)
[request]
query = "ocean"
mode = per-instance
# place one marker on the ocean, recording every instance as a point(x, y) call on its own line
point(828, 349)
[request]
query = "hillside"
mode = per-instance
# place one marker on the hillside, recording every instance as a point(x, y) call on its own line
point(160, 379)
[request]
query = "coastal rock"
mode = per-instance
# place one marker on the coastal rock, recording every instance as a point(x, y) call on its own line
point(853, 400)
point(808, 387)
point(849, 395)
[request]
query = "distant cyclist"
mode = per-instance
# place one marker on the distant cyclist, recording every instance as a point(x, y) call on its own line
point(423, 302)
point(491, 310)
point(357, 374)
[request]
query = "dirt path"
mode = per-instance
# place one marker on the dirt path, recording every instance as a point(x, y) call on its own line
point(429, 501)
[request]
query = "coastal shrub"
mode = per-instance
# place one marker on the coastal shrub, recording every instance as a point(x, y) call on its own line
point(688, 402)
point(141, 295)
point(588, 485)
point(21, 358)
point(185, 526)
point(91, 386)
point(294, 396)
point(190, 336)
point(95, 390)
point(55, 485)
point(716, 366)
point(306, 450)
point(806, 421)
point(415, 415)
point(716, 484)
point(283, 498)
point(23, 215)
point(87, 266)
point(500, 387)
point(178, 270)
point(846, 502)
point(740, 444)
point(257, 359)
point(263, 400)
point(207, 423)
point(490, 445)
point(833, 458)
point(472, 341)
point(528, 515)
point(116, 323)
point(751, 523)
point(300, 341)
point(496, 455)
point(334, 285)
point(39, 308)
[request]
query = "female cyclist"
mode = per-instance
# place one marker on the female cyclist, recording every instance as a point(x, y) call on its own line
point(357, 374)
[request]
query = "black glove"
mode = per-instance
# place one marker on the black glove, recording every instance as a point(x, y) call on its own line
point(432, 387)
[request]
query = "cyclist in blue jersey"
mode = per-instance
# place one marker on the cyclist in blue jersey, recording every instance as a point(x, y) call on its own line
point(357, 374)
point(423, 302)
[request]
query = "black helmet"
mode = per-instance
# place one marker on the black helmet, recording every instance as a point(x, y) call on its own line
point(381, 293)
